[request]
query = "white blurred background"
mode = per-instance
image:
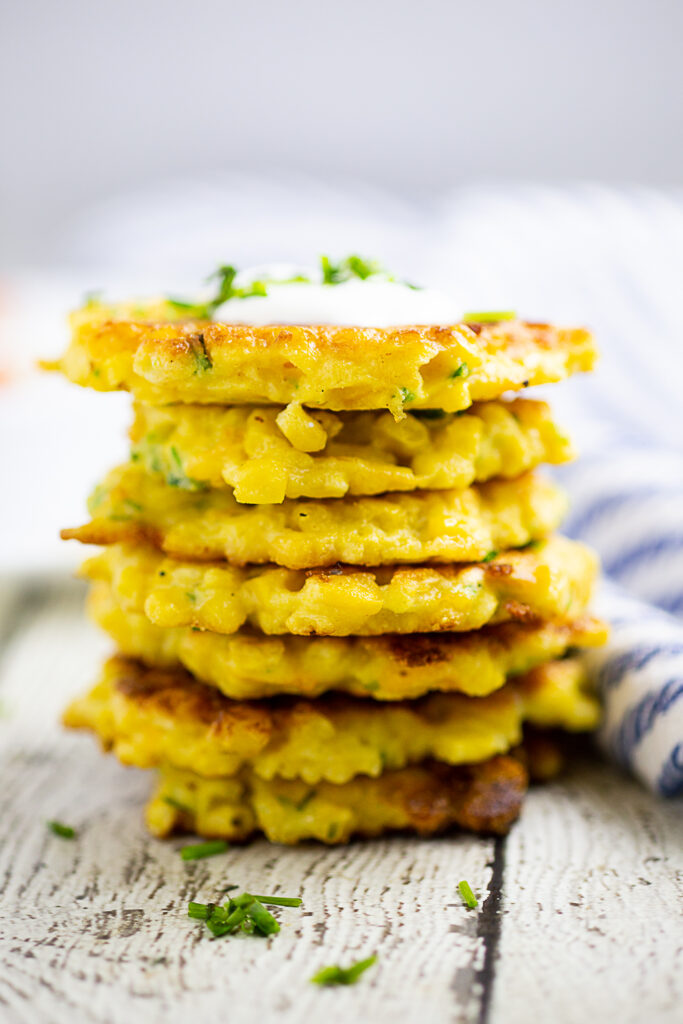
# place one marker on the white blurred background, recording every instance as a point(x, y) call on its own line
point(102, 98)
point(527, 155)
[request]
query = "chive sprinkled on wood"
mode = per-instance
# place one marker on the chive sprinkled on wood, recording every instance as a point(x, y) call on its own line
point(468, 897)
point(262, 918)
point(199, 911)
point(489, 317)
point(63, 831)
point(245, 913)
point(343, 975)
point(197, 851)
point(280, 901)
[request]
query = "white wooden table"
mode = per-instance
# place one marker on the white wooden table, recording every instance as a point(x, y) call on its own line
point(580, 914)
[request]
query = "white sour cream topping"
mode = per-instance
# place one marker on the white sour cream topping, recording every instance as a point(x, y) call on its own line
point(374, 302)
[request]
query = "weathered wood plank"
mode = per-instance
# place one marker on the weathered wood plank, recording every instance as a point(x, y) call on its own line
point(95, 929)
point(593, 905)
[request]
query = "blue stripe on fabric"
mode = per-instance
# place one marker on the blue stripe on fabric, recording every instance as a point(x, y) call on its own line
point(670, 780)
point(636, 658)
point(595, 509)
point(626, 560)
point(672, 604)
point(640, 719)
point(643, 614)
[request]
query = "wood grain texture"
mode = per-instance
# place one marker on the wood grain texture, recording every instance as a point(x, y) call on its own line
point(95, 929)
point(594, 887)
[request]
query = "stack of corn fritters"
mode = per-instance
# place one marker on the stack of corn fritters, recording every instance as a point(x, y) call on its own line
point(330, 570)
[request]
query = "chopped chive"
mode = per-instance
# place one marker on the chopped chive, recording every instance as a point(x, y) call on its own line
point(306, 799)
point(489, 318)
point(352, 266)
point(245, 912)
point(176, 804)
point(223, 922)
point(362, 268)
point(280, 901)
point(343, 975)
point(243, 900)
point(407, 395)
point(263, 920)
point(468, 897)
point(460, 371)
point(531, 545)
point(134, 506)
point(199, 911)
point(197, 851)
point(490, 556)
point(225, 289)
point(203, 361)
point(63, 831)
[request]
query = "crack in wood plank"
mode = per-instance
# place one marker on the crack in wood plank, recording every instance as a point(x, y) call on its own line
point(489, 929)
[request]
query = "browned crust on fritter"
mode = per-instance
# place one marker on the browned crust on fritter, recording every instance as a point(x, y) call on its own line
point(520, 612)
point(145, 348)
point(413, 650)
point(487, 797)
point(544, 752)
point(175, 693)
point(188, 337)
point(483, 798)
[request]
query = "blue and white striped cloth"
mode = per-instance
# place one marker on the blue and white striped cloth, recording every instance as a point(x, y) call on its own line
point(627, 502)
point(615, 261)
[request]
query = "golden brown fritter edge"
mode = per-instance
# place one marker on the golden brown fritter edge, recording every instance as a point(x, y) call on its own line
point(427, 799)
point(249, 665)
point(147, 350)
point(151, 718)
point(553, 580)
point(420, 526)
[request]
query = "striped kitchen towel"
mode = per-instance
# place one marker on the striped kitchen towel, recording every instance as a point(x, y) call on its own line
point(640, 675)
point(627, 501)
point(612, 258)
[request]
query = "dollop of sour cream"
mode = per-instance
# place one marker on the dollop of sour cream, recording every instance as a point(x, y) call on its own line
point(374, 302)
